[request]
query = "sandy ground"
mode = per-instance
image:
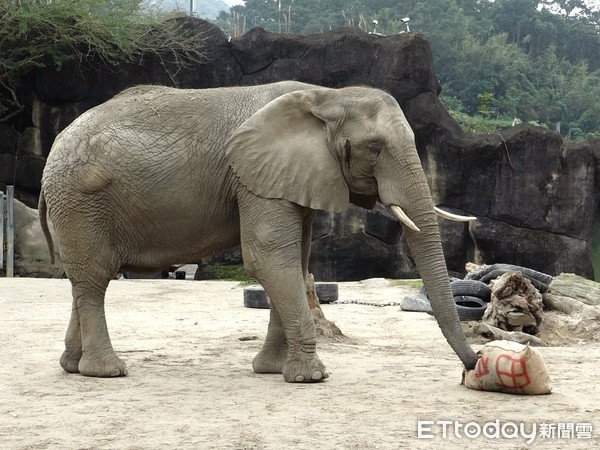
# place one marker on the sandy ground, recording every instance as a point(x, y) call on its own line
point(190, 382)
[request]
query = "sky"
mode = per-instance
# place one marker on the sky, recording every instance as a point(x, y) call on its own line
point(594, 3)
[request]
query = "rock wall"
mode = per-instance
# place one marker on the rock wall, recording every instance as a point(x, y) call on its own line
point(32, 258)
point(536, 197)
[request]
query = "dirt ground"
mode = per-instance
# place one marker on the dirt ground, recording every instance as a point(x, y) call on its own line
point(191, 386)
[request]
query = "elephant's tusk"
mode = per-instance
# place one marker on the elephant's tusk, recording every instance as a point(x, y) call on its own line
point(402, 217)
point(455, 217)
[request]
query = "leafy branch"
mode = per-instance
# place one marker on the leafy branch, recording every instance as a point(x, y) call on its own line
point(42, 33)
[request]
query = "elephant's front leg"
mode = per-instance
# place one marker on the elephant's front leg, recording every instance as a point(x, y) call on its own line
point(271, 237)
point(291, 330)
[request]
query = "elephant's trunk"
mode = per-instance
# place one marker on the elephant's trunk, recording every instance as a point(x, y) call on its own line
point(427, 252)
point(402, 182)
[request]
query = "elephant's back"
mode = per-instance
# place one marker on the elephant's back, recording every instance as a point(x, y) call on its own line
point(154, 132)
point(149, 108)
point(172, 108)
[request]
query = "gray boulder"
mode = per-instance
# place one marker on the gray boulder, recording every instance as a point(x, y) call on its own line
point(32, 258)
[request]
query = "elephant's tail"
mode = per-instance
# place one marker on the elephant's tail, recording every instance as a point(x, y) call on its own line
point(44, 223)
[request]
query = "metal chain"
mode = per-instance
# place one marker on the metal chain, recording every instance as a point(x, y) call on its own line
point(360, 302)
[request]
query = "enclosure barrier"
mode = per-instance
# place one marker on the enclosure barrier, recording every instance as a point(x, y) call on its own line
point(7, 231)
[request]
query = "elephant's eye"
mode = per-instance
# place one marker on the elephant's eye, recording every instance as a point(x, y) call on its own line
point(375, 149)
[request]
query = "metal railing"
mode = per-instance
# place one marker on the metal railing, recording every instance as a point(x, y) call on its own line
point(7, 231)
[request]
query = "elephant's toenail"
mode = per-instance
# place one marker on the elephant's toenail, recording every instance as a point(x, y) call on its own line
point(317, 375)
point(115, 373)
point(299, 378)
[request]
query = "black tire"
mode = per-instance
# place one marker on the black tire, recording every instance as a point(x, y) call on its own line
point(485, 274)
point(256, 297)
point(471, 288)
point(327, 292)
point(469, 308)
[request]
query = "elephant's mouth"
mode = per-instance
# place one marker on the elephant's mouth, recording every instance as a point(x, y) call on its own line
point(403, 217)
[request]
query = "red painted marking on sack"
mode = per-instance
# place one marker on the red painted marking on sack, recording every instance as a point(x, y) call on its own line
point(518, 371)
point(482, 368)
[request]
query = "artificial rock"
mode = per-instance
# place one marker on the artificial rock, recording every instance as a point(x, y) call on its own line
point(536, 196)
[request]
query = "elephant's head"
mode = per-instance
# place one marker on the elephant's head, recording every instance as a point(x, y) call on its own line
point(322, 148)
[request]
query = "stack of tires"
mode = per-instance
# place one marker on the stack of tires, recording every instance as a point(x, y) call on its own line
point(471, 298)
point(472, 295)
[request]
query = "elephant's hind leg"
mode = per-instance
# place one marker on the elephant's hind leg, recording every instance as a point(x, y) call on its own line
point(72, 354)
point(90, 264)
point(89, 342)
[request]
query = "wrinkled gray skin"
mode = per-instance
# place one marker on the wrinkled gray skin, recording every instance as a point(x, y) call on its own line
point(158, 176)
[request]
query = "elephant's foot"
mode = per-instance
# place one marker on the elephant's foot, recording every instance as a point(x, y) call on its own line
point(107, 364)
point(270, 359)
point(69, 361)
point(303, 367)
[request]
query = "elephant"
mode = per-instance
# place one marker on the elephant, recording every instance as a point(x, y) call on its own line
point(157, 176)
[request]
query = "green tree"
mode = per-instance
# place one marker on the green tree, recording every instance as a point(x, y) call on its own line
point(39, 33)
point(537, 64)
point(568, 6)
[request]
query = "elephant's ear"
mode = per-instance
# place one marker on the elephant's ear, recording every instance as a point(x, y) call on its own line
point(281, 152)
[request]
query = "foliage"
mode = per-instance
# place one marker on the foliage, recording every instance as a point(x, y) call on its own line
point(40, 33)
point(231, 272)
point(416, 283)
point(539, 60)
point(531, 60)
point(485, 99)
point(479, 124)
